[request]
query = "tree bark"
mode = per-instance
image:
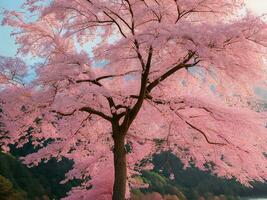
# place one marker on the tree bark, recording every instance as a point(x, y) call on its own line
point(119, 153)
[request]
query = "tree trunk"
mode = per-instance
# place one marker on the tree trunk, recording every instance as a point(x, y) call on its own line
point(119, 153)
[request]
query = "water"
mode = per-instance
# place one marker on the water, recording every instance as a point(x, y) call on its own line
point(254, 199)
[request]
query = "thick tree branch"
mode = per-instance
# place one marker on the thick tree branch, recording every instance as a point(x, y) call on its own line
point(95, 112)
point(96, 80)
point(142, 94)
point(65, 114)
point(171, 71)
point(84, 109)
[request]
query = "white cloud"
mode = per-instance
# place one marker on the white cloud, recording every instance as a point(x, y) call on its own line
point(259, 7)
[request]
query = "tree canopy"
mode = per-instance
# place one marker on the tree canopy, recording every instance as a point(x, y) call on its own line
point(178, 75)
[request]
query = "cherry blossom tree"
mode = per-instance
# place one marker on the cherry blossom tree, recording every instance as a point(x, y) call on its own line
point(12, 71)
point(177, 75)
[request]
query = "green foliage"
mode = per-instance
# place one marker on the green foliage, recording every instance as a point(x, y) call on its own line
point(37, 182)
point(161, 184)
point(20, 177)
point(195, 183)
point(5, 186)
point(49, 174)
point(7, 192)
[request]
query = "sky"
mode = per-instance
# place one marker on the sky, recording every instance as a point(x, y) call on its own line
point(9, 48)
point(257, 6)
point(7, 45)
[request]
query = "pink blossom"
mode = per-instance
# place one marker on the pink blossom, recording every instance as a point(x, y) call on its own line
point(153, 95)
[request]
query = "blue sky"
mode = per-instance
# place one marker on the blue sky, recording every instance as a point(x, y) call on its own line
point(7, 44)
